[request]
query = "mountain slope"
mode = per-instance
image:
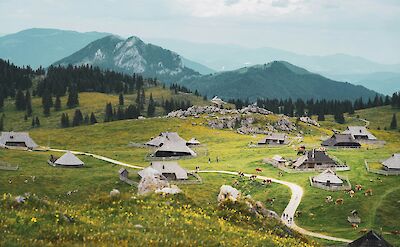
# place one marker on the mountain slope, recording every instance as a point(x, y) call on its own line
point(275, 80)
point(38, 46)
point(131, 56)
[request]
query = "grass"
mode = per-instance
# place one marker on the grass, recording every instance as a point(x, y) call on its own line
point(111, 140)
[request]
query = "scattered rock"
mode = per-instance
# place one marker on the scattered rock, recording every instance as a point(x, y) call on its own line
point(151, 181)
point(308, 120)
point(20, 199)
point(115, 193)
point(227, 192)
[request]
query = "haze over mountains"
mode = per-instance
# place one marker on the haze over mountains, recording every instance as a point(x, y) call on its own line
point(50, 46)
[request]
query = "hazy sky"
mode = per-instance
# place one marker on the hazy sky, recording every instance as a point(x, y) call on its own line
point(368, 28)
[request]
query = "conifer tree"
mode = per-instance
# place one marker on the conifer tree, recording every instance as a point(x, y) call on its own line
point(108, 117)
point(86, 119)
point(78, 118)
point(151, 109)
point(37, 122)
point(2, 123)
point(47, 102)
point(57, 104)
point(33, 122)
point(93, 119)
point(393, 124)
point(73, 98)
point(20, 103)
point(121, 99)
point(28, 102)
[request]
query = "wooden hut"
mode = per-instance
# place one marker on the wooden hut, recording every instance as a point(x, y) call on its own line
point(69, 160)
point(370, 239)
point(273, 139)
point(392, 164)
point(17, 140)
point(328, 178)
point(169, 170)
point(314, 159)
point(341, 141)
point(359, 133)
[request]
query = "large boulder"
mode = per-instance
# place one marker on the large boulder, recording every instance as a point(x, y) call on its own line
point(151, 181)
point(172, 190)
point(227, 192)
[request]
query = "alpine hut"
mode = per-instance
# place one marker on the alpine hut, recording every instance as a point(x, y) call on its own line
point(370, 239)
point(169, 170)
point(164, 137)
point(359, 133)
point(69, 160)
point(341, 140)
point(273, 138)
point(218, 102)
point(315, 159)
point(17, 140)
point(174, 149)
point(193, 142)
point(392, 164)
point(327, 178)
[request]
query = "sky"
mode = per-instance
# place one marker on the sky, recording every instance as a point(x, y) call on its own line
point(367, 28)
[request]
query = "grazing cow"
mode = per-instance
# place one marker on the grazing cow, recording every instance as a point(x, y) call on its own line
point(351, 193)
point(258, 170)
point(253, 177)
point(236, 183)
point(395, 232)
point(270, 200)
point(355, 226)
point(339, 201)
point(269, 181)
point(328, 199)
point(364, 231)
point(298, 214)
point(358, 187)
point(368, 192)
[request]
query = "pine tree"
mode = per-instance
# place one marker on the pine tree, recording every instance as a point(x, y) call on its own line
point(93, 119)
point(108, 117)
point(393, 124)
point(73, 97)
point(86, 119)
point(20, 103)
point(151, 109)
point(78, 118)
point(47, 102)
point(33, 122)
point(2, 123)
point(57, 104)
point(121, 99)
point(37, 122)
point(28, 102)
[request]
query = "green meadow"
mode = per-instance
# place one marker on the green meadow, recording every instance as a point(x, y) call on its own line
point(195, 214)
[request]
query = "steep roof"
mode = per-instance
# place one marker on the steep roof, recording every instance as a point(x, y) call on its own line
point(314, 156)
point(177, 147)
point(340, 138)
point(393, 162)
point(17, 137)
point(69, 159)
point(274, 136)
point(278, 158)
point(163, 137)
point(359, 131)
point(193, 141)
point(328, 175)
point(217, 100)
point(370, 239)
point(170, 167)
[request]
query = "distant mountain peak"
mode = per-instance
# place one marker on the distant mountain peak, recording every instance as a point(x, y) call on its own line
point(131, 55)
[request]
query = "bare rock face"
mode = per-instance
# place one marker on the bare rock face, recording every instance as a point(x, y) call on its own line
point(227, 192)
point(284, 124)
point(308, 120)
point(198, 110)
point(151, 183)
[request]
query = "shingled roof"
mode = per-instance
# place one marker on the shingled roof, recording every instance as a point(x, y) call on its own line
point(193, 141)
point(175, 147)
point(328, 175)
point(170, 168)
point(163, 137)
point(341, 140)
point(359, 131)
point(393, 162)
point(17, 137)
point(69, 159)
point(370, 239)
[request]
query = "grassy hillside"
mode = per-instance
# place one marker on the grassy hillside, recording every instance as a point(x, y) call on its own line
point(195, 214)
point(88, 102)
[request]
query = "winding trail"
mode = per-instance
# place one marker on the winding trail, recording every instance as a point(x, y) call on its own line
point(290, 210)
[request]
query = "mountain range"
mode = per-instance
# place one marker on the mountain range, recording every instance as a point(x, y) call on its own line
point(42, 47)
point(277, 79)
point(133, 55)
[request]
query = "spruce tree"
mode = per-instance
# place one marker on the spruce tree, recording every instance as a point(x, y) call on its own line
point(28, 102)
point(73, 98)
point(57, 104)
point(78, 118)
point(47, 102)
point(37, 122)
point(321, 117)
point(20, 103)
point(151, 109)
point(2, 123)
point(93, 119)
point(33, 122)
point(121, 99)
point(393, 124)
point(86, 119)
point(108, 117)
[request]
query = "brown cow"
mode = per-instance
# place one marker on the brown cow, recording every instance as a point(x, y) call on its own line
point(355, 226)
point(351, 193)
point(258, 170)
point(368, 192)
point(339, 201)
point(358, 187)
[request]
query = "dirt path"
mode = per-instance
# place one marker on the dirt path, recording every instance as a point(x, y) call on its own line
point(290, 210)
